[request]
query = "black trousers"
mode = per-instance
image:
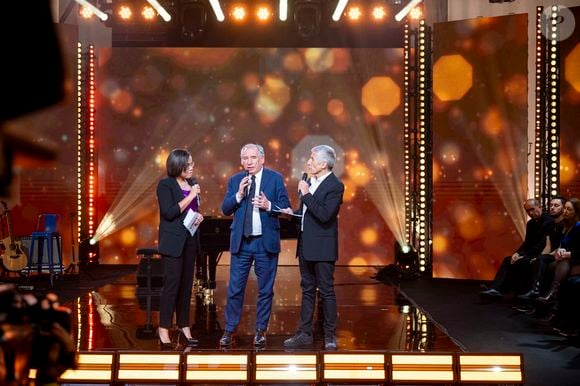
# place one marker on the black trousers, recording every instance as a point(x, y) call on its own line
point(317, 274)
point(515, 277)
point(178, 285)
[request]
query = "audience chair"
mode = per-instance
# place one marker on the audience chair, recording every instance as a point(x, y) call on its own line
point(46, 231)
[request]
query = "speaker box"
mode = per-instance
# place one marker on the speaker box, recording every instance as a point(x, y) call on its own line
point(156, 273)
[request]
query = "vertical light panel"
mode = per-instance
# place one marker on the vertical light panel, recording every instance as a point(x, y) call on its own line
point(80, 141)
point(540, 106)
point(407, 134)
point(553, 94)
point(353, 367)
point(92, 158)
point(217, 367)
point(424, 149)
point(286, 367)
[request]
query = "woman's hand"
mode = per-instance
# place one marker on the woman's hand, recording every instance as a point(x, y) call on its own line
point(198, 219)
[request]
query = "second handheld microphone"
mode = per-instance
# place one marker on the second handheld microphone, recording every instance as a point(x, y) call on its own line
point(304, 178)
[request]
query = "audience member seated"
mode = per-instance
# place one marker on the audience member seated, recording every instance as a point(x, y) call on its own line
point(541, 281)
point(568, 254)
point(514, 274)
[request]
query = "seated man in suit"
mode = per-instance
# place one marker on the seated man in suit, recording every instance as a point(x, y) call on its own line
point(318, 245)
point(251, 197)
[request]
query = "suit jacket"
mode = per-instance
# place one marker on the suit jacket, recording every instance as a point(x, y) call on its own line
point(536, 232)
point(320, 234)
point(172, 233)
point(273, 187)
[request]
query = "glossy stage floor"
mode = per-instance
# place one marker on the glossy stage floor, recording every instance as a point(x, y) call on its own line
point(372, 316)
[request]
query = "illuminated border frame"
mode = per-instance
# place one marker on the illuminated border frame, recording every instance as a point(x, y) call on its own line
point(149, 367)
point(353, 367)
point(210, 367)
point(429, 368)
point(284, 367)
point(490, 368)
point(93, 367)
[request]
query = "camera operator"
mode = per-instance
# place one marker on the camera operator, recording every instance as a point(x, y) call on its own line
point(34, 333)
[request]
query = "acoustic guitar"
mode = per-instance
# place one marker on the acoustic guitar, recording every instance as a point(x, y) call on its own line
point(14, 258)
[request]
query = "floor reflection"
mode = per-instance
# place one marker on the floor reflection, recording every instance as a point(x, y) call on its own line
point(372, 316)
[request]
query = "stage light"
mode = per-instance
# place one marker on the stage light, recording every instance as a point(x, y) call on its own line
point(125, 12)
point(217, 10)
point(406, 9)
point(307, 18)
point(148, 13)
point(86, 13)
point(160, 10)
point(100, 14)
point(193, 20)
point(354, 13)
point(263, 13)
point(340, 6)
point(238, 12)
point(283, 10)
point(406, 259)
point(379, 13)
point(416, 13)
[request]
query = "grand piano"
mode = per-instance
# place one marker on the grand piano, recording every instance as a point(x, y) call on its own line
point(215, 239)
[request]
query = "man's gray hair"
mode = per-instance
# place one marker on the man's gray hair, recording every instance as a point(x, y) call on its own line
point(255, 146)
point(325, 153)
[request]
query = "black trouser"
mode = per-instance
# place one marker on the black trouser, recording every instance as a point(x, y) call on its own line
point(513, 277)
point(178, 285)
point(317, 274)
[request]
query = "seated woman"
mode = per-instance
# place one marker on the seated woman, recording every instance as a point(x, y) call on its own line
point(568, 255)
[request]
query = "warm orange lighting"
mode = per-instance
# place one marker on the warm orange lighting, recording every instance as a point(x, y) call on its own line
point(416, 13)
point(238, 13)
point(354, 13)
point(85, 13)
point(125, 12)
point(379, 13)
point(263, 13)
point(148, 13)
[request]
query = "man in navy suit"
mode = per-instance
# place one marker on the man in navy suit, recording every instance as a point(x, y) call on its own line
point(251, 197)
point(318, 245)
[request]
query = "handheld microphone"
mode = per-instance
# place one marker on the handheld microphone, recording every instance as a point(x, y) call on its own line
point(249, 185)
point(198, 200)
point(304, 178)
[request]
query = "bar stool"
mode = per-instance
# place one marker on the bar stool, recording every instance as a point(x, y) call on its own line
point(49, 234)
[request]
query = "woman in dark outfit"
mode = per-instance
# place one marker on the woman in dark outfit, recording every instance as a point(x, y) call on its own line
point(177, 194)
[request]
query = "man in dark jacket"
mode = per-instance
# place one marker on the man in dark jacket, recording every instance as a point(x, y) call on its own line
point(514, 274)
point(318, 245)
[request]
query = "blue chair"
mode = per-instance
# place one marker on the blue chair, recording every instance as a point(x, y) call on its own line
point(46, 230)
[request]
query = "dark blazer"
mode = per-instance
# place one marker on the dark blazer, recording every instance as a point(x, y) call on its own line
point(273, 187)
point(172, 233)
point(319, 239)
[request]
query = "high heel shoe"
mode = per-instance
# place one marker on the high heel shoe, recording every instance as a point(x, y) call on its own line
point(189, 342)
point(164, 346)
